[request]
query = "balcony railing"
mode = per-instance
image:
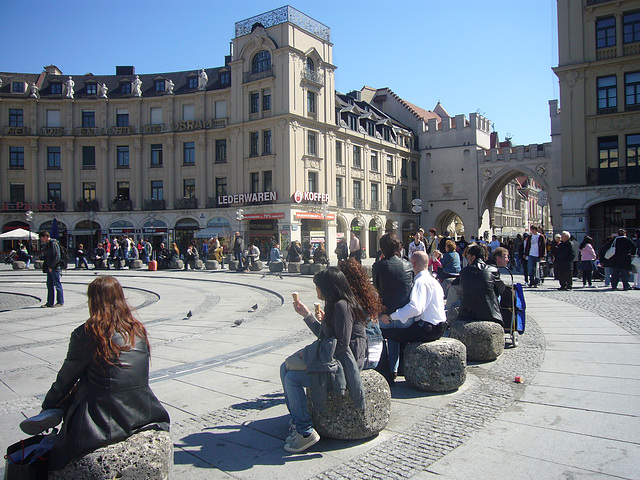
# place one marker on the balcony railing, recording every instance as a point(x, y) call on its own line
point(59, 204)
point(613, 176)
point(341, 202)
point(248, 77)
point(604, 111)
point(87, 206)
point(186, 203)
point(121, 205)
point(154, 205)
point(393, 207)
point(375, 205)
point(604, 53)
point(313, 76)
point(358, 203)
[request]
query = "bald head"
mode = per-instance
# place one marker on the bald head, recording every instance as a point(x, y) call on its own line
point(420, 261)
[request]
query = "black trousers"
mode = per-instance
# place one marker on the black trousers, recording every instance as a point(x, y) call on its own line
point(415, 333)
point(565, 277)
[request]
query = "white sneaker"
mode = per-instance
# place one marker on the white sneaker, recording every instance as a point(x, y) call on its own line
point(300, 443)
point(292, 433)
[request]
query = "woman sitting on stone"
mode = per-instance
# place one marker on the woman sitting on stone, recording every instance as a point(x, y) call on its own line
point(103, 384)
point(342, 338)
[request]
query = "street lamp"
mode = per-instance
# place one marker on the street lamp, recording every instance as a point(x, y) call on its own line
point(29, 216)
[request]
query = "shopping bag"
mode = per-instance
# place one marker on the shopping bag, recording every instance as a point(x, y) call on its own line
point(22, 461)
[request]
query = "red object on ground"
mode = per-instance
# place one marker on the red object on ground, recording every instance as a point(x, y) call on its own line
point(153, 265)
point(518, 379)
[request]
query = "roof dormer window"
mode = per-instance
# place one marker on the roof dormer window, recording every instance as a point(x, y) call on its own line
point(17, 87)
point(56, 88)
point(92, 88)
point(125, 87)
point(158, 85)
point(192, 82)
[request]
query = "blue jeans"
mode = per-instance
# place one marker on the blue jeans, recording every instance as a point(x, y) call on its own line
point(293, 383)
point(532, 267)
point(394, 347)
point(54, 283)
point(607, 276)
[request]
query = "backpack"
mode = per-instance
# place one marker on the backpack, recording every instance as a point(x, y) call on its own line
point(64, 257)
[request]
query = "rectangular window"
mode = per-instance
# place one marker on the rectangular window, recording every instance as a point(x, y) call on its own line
point(88, 119)
point(221, 151)
point(221, 109)
point(88, 157)
point(254, 142)
point(189, 188)
point(607, 95)
point(608, 152)
point(374, 192)
point(156, 115)
point(339, 192)
point(374, 161)
point(357, 190)
point(16, 158)
point(255, 182)
point(414, 170)
point(122, 190)
point(414, 194)
point(605, 32)
point(357, 156)
point(88, 191)
point(158, 85)
point(192, 82)
point(125, 87)
point(632, 90)
point(633, 150)
point(221, 186)
point(225, 78)
point(53, 118)
point(386, 134)
point(188, 113)
point(122, 118)
point(371, 129)
point(254, 102)
point(389, 195)
point(157, 191)
point(17, 87)
point(92, 88)
point(404, 172)
point(338, 153)
point(266, 142)
point(267, 181)
point(16, 192)
point(312, 182)
point(312, 143)
point(266, 100)
point(156, 155)
point(54, 191)
point(311, 102)
point(405, 203)
point(56, 88)
point(15, 117)
point(189, 153)
point(389, 164)
point(353, 123)
point(123, 156)
point(631, 27)
point(53, 158)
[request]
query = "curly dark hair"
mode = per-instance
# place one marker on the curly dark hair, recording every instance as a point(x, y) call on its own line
point(365, 293)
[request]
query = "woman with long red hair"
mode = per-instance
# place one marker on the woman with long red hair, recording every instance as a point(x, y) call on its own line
point(103, 384)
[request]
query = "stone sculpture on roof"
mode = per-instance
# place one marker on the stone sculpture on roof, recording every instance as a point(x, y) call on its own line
point(103, 91)
point(169, 88)
point(137, 87)
point(35, 91)
point(203, 78)
point(68, 88)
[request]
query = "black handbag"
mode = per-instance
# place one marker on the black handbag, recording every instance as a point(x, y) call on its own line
point(17, 467)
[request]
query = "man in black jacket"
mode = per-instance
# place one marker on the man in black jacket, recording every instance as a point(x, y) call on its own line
point(563, 262)
point(481, 286)
point(621, 260)
point(51, 267)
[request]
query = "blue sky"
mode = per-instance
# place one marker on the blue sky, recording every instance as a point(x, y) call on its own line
point(494, 57)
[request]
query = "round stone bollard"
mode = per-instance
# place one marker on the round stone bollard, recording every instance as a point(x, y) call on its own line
point(136, 265)
point(341, 420)
point(276, 267)
point(484, 340)
point(305, 269)
point(439, 366)
point(212, 265)
point(199, 264)
point(255, 266)
point(147, 455)
point(233, 265)
point(18, 265)
point(294, 267)
point(177, 265)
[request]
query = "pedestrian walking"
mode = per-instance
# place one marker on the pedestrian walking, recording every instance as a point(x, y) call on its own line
point(588, 259)
point(625, 249)
point(564, 262)
point(51, 266)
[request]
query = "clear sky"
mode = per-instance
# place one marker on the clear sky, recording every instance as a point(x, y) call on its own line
point(493, 57)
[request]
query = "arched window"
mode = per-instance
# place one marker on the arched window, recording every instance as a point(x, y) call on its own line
point(311, 67)
point(261, 62)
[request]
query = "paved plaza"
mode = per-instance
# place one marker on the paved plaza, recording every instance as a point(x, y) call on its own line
point(576, 415)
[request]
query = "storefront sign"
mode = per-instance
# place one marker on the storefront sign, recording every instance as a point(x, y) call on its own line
point(51, 131)
point(29, 206)
point(316, 233)
point(197, 124)
point(130, 130)
point(261, 225)
point(314, 215)
point(262, 216)
point(247, 198)
point(121, 230)
point(154, 230)
point(299, 197)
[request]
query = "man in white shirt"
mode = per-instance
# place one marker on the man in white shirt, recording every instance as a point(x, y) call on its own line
point(534, 250)
point(416, 245)
point(424, 314)
point(354, 248)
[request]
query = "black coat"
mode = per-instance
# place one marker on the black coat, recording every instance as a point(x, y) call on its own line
point(481, 285)
point(111, 402)
point(393, 278)
point(625, 247)
point(565, 256)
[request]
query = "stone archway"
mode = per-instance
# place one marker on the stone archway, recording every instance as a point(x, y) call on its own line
point(450, 221)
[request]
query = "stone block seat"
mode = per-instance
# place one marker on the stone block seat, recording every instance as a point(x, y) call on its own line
point(136, 265)
point(305, 269)
point(199, 264)
point(276, 267)
point(294, 267)
point(342, 421)
point(316, 267)
point(145, 455)
point(212, 265)
point(19, 265)
point(177, 265)
point(439, 366)
point(233, 265)
point(484, 340)
point(255, 266)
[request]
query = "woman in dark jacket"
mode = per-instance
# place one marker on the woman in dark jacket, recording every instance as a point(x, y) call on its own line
point(103, 385)
point(481, 286)
point(344, 320)
point(294, 252)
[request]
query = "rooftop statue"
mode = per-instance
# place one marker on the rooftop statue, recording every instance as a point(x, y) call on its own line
point(68, 88)
point(203, 78)
point(137, 87)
